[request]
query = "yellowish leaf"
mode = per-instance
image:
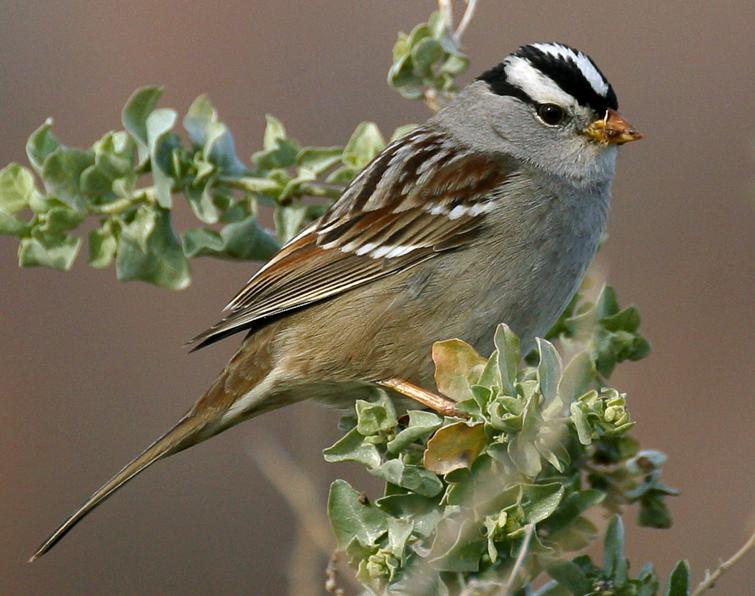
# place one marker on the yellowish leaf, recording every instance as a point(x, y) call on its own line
point(454, 446)
point(456, 364)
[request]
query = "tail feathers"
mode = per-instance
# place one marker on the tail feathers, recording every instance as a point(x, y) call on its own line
point(171, 442)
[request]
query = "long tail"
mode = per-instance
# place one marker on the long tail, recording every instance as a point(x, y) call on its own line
point(174, 440)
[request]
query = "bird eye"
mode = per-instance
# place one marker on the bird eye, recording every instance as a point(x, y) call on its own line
point(551, 114)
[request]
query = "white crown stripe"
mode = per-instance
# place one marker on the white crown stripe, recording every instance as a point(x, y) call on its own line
point(585, 65)
point(534, 83)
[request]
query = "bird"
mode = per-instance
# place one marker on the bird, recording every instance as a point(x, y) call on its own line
point(489, 212)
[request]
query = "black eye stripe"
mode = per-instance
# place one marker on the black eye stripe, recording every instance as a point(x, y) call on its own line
point(499, 84)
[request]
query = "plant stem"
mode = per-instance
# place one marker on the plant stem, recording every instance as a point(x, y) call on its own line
point(465, 20)
point(140, 195)
point(711, 578)
point(508, 588)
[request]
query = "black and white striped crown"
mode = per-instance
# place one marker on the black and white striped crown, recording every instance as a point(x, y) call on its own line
point(547, 72)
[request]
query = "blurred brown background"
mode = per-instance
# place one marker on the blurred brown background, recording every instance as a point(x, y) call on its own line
point(91, 370)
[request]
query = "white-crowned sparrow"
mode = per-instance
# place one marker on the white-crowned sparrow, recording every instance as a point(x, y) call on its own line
point(489, 212)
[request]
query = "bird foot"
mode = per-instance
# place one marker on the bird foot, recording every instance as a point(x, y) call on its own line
point(438, 403)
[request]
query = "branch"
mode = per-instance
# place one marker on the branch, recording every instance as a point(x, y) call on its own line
point(711, 578)
point(509, 587)
point(465, 20)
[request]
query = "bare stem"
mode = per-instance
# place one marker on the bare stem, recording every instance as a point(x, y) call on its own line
point(465, 20)
point(440, 404)
point(446, 9)
point(711, 578)
point(295, 486)
point(521, 556)
point(331, 576)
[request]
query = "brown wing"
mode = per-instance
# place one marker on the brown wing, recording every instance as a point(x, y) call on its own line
point(418, 198)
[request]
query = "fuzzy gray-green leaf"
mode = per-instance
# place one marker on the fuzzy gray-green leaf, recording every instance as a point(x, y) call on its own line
point(415, 478)
point(352, 516)
point(150, 251)
point(41, 143)
point(679, 580)
point(353, 447)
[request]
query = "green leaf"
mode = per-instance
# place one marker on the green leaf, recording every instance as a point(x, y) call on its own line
point(438, 25)
point(457, 546)
point(289, 220)
point(274, 132)
point(103, 244)
point(60, 218)
point(422, 511)
point(54, 251)
point(202, 204)
point(352, 516)
point(375, 417)
point(454, 447)
point(571, 577)
point(318, 159)
point(245, 240)
point(199, 117)
point(352, 447)
point(607, 303)
point(549, 369)
point(150, 251)
point(581, 424)
point(221, 150)
point(161, 145)
point(540, 501)
point(414, 478)
point(577, 378)
point(135, 114)
point(10, 225)
point(16, 188)
point(241, 240)
point(507, 345)
point(571, 508)
point(200, 242)
point(41, 143)
point(112, 173)
point(425, 54)
point(62, 171)
point(654, 513)
point(365, 143)
point(421, 424)
point(679, 580)
point(282, 156)
point(402, 130)
point(399, 532)
point(614, 563)
point(525, 456)
point(342, 175)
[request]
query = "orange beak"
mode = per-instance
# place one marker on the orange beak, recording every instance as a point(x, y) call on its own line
point(612, 130)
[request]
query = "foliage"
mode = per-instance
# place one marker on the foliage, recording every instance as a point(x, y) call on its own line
point(133, 222)
point(537, 446)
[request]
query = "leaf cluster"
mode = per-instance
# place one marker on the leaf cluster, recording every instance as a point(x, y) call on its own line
point(427, 61)
point(536, 447)
point(126, 182)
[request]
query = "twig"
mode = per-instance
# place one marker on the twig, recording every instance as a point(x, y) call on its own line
point(711, 578)
point(431, 400)
point(508, 588)
point(465, 20)
point(331, 576)
point(294, 486)
point(446, 9)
